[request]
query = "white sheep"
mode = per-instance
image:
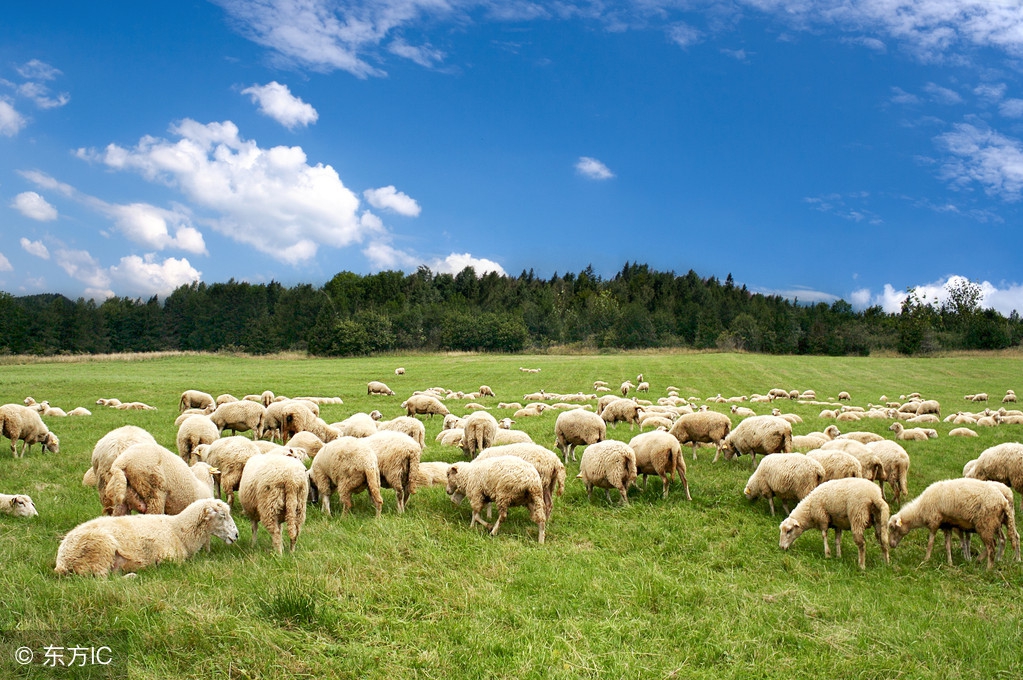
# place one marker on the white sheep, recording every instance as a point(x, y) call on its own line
point(504, 437)
point(609, 464)
point(413, 427)
point(240, 416)
point(229, 455)
point(152, 480)
point(844, 396)
point(377, 387)
point(837, 464)
point(130, 543)
point(400, 370)
point(486, 391)
point(108, 448)
point(479, 433)
point(791, 417)
point(423, 404)
point(195, 430)
point(870, 461)
point(659, 453)
point(432, 473)
point(578, 428)
point(504, 480)
point(19, 422)
point(546, 462)
point(862, 437)
point(759, 434)
point(1001, 463)
point(531, 411)
point(742, 411)
point(273, 491)
point(895, 462)
point(18, 505)
point(193, 399)
point(622, 410)
point(909, 434)
point(962, 432)
point(789, 476)
point(357, 425)
point(347, 465)
point(846, 504)
point(285, 418)
point(704, 427)
point(306, 441)
point(79, 411)
point(398, 461)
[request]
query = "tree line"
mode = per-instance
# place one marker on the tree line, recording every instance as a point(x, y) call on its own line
point(355, 314)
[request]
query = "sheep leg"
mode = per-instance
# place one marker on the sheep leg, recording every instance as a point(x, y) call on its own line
point(989, 545)
point(543, 530)
point(716, 453)
point(502, 512)
point(667, 483)
point(275, 535)
point(624, 491)
point(476, 517)
point(643, 488)
point(770, 502)
point(548, 502)
point(948, 545)
point(882, 539)
point(964, 542)
point(838, 542)
point(930, 544)
point(255, 526)
point(785, 507)
point(827, 548)
point(607, 494)
point(861, 546)
point(589, 492)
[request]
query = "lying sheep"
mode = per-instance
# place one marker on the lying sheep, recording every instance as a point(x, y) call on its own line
point(511, 437)
point(18, 505)
point(1001, 463)
point(195, 430)
point(910, 434)
point(240, 416)
point(578, 428)
point(546, 462)
point(895, 462)
point(130, 543)
point(450, 437)
point(19, 422)
point(229, 455)
point(531, 411)
point(862, 437)
point(836, 464)
point(423, 404)
point(273, 491)
point(789, 476)
point(704, 427)
point(377, 387)
point(966, 504)
point(406, 425)
point(609, 464)
point(152, 480)
point(398, 461)
point(479, 433)
point(433, 473)
point(357, 425)
point(192, 399)
point(504, 480)
point(853, 504)
point(760, 434)
point(347, 465)
point(659, 453)
point(962, 432)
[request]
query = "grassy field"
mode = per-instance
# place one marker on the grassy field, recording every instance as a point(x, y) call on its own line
point(657, 589)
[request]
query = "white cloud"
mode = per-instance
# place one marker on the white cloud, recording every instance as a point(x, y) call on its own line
point(40, 95)
point(81, 266)
point(270, 199)
point(5, 264)
point(942, 95)
point(277, 102)
point(870, 43)
point(984, 156)
point(684, 35)
point(456, 262)
point(37, 70)
point(591, 168)
point(384, 256)
point(900, 96)
point(423, 55)
point(838, 204)
point(803, 295)
point(11, 122)
point(1011, 108)
point(145, 276)
point(1004, 297)
point(35, 248)
point(32, 205)
point(738, 55)
point(389, 198)
point(860, 299)
point(991, 92)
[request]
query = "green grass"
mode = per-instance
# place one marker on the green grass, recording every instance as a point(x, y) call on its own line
point(658, 589)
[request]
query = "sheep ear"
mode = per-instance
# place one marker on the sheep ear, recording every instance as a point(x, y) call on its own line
point(898, 522)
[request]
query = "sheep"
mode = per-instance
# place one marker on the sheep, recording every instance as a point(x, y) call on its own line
point(135, 406)
point(704, 427)
point(273, 491)
point(992, 420)
point(451, 437)
point(742, 411)
point(791, 417)
point(19, 422)
point(152, 480)
point(130, 543)
point(911, 434)
point(398, 461)
point(421, 404)
point(229, 455)
point(965, 535)
point(18, 505)
point(895, 462)
point(546, 462)
point(873, 469)
point(844, 396)
point(1001, 463)
point(837, 464)
point(504, 480)
point(643, 387)
point(400, 370)
point(478, 434)
point(789, 476)
point(504, 437)
point(280, 415)
point(599, 383)
point(929, 406)
point(307, 441)
point(410, 426)
point(486, 391)
point(659, 453)
point(195, 399)
point(966, 504)
point(505, 423)
point(195, 430)
point(377, 387)
point(626, 386)
point(980, 396)
point(433, 473)
point(578, 428)
point(347, 465)
point(357, 425)
point(53, 411)
point(240, 416)
point(531, 410)
point(513, 404)
point(962, 432)
point(924, 418)
point(108, 448)
point(108, 402)
point(760, 434)
point(1009, 398)
point(79, 411)
point(609, 464)
point(853, 504)
point(862, 437)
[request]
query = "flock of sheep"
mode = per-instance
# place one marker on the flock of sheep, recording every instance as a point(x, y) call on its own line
point(292, 457)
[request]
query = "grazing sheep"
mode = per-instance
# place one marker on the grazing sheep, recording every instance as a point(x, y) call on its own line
point(1001, 463)
point(504, 480)
point(844, 396)
point(407, 425)
point(578, 428)
point(357, 425)
point(760, 434)
point(195, 430)
point(152, 480)
point(478, 434)
point(895, 462)
point(194, 399)
point(626, 386)
point(307, 441)
point(18, 505)
point(546, 462)
point(130, 543)
point(1009, 398)
point(347, 465)
point(240, 416)
point(19, 422)
point(966, 504)
point(287, 414)
point(273, 491)
point(225, 399)
point(432, 473)
point(704, 427)
point(622, 410)
point(486, 391)
point(423, 404)
point(789, 476)
point(229, 455)
point(377, 387)
point(399, 371)
point(929, 406)
point(853, 504)
point(398, 461)
point(609, 464)
point(837, 464)
point(659, 453)
point(871, 463)
point(962, 432)
point(643, 386)
point(108, 448)
point(911, 434)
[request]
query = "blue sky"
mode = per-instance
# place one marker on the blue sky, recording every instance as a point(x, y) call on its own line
point(816, 149)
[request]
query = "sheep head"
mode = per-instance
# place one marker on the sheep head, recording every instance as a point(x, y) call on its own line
point(51, 443)
point(790, 531)
point(452, 490)
point(22, 506)
point(896, 530)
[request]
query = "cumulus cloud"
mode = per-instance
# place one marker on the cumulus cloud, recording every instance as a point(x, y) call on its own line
point(1004, 297)
point(36, 248)
point(270, 199)
point(5, 264)
point(11, 122)
point(277, 102)
point(81, 266)
point(591, 168)
point(389, 198)
point(981, 155)
point(800, 293)
point(32, 205)
point(384, 256)
point(146, 276)
point(900, 96)
point(456, 262)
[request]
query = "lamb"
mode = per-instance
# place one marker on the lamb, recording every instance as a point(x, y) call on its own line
point(760, 434)
point(966, 504)
point(1001, 463)
point(19, 422)
point(410, 426)
point(659, 453)
point(240, 416)
point(152, 480)
point(546, 462)
point(844, 396)
point(706, 427)
point(400, 370)
point(504, 480)
point(130, 543)
point(194, 399)
point(347, 465)
point(895, 462)
point(377, 387)
point(433, 473)
point(962, 432)
point(609, 464)
point(398, 461)
point(478, 434)
point(195, 430)
point(357, 425)
point(578, 428)
point(79, 411)
point(789, 476)
point(911, 434)
point(18, 505)
point(229, 455)
point(853, 504)
point(273, 491)
point(870, 461)
point(837, 464)
point(422, 404)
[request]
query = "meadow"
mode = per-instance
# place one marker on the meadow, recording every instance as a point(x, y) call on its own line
point(656, 589)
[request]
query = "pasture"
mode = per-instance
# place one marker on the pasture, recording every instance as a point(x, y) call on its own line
point(656, 589)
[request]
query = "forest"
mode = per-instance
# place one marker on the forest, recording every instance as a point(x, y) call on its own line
point(353, 315)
